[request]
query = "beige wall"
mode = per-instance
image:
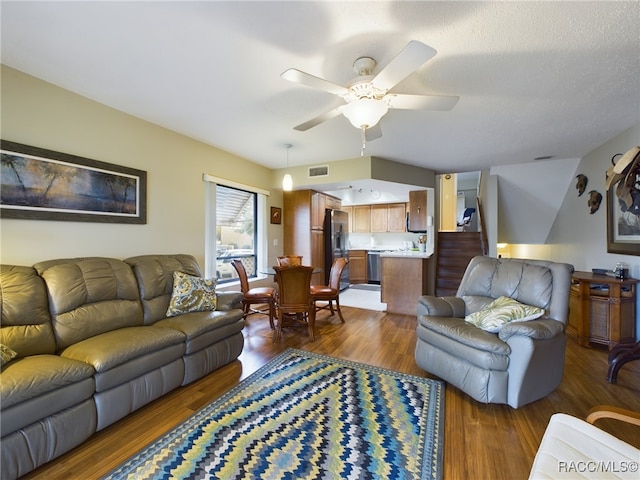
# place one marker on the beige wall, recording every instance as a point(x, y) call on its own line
point(42, 115)
point(579, 237)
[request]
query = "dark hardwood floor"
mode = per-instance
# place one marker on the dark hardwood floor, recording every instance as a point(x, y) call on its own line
point(480, 441)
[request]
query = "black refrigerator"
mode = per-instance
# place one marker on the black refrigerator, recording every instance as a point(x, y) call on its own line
point(336, 243)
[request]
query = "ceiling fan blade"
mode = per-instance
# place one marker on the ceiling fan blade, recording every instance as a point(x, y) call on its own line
point(372, 133)
point(421, 102)
point(410, 58)
point(297, 76)
point(319, 119)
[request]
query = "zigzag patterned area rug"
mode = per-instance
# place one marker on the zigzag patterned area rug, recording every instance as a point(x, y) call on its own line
point(308, 416)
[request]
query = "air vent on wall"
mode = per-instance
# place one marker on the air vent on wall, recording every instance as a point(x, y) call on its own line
point(321, 171)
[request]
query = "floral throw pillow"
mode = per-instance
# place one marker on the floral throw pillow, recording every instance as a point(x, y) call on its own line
point(192, 294)
point(502, 311)
point(6, 354)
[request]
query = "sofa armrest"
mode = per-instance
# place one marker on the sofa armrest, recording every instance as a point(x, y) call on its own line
point(541, 329)
point(229, 300)
point(441, 306)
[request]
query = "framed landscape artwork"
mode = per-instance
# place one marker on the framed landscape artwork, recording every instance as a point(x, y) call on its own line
point(41, 184)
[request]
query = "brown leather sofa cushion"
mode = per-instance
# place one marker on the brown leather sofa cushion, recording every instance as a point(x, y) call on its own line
point(90, 296)
point(34, 376)
point(26, 323)
point(154, 274)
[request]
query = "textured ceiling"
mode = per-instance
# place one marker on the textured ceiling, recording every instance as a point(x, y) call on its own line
point(534, 78)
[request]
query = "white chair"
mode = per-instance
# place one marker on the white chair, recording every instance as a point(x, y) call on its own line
point(574, 448)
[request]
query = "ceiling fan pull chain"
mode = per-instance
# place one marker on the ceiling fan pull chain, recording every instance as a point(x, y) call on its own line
point(364, 141)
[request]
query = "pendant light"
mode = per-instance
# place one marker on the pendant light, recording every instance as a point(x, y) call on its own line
point(287, 181)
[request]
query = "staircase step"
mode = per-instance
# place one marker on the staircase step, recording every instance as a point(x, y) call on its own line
point(455, 250)
point(451, 284)
point(446, 292)
point(452, 270)
point(458, 261)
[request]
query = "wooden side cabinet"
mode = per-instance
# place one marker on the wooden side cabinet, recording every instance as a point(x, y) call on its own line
point(602, 309)
point(358, 266)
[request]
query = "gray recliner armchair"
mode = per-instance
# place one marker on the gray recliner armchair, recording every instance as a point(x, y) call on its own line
point(524, 360)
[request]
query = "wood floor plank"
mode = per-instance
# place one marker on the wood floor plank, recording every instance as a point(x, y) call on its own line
point(480, 441)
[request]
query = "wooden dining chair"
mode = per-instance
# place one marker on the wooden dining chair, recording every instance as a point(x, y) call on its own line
point(294, 303)
point(289, 260)
point(330, 293)
point(256, 295)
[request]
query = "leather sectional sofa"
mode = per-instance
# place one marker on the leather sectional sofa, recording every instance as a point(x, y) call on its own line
point(93, 344)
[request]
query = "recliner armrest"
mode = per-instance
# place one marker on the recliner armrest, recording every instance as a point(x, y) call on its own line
point(441, 306)
point(540, 329)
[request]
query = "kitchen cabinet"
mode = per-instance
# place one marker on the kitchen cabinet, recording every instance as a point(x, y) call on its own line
point(388, 217)
point(418, 211)
point(303, 221)
point(602, 309)
point(362, 218)
point(318, 207)
point(357, 266)
point(397, 217)
point(333, 203)
point(379, 218)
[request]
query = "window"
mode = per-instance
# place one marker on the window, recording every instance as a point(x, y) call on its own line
point(235, 228)
point(236, 215)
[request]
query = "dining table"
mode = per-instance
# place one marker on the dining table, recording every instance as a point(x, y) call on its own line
point(271, 271)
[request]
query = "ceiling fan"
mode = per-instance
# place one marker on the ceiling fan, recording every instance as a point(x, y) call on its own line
point(368, 98)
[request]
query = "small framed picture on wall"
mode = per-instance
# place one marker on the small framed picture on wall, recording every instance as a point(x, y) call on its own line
point(276, 215)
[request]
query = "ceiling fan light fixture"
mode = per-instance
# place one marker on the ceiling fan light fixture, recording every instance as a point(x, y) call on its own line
point(365, 112)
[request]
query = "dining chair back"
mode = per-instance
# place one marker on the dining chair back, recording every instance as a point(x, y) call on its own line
point(289, 260)
point(294, 298)
point(330, 293)
point(256, 295)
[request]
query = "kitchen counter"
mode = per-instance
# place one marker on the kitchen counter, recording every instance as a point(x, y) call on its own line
point(404, 280)
point(406, 254)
